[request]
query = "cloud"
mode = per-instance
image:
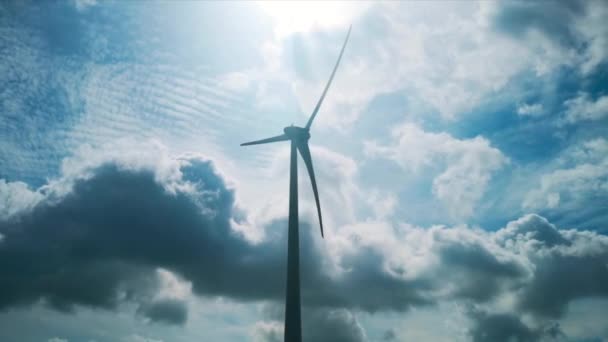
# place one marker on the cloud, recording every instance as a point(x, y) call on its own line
point(15, 197)
point(446, 60)
point(437, 263)
point(533, 110)
point(338, 325)
point(568, 264)
point(551, 18)
point(574, 184)
point(510, 327)
point(150, 231)
point(389, 335)
point(583, 107)
point(82, 5)
point(171, 311)
point(466, 166)
point(113, 222)
point(302, 16)
point(528, 267)
point(574, 29)
point(501, 327)
point(323, 325)
point(267, 331)
point(111, 231)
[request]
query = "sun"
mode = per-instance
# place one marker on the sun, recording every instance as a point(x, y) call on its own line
point(304, 16)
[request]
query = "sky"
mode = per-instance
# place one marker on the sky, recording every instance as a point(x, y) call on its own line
point(461, 156)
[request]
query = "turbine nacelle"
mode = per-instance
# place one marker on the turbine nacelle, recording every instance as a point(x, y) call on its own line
point(297, 133)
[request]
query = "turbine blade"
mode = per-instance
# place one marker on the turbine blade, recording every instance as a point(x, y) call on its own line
point(314, 112)
point(281, 137)
point(305, 153)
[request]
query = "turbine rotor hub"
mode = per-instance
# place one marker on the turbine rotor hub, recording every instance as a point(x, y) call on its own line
point(297, 133)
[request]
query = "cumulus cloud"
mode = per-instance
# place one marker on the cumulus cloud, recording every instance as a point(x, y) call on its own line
point(510, 327)
point(528, 267)
point(111, 231)
point(338, 325)
point(15, 197)
point(153, 233)
point(569, 264)
point(102, 233)
point(466, 165)
point(323, 325)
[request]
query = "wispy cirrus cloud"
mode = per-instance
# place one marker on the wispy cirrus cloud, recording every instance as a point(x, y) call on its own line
point(573, 184)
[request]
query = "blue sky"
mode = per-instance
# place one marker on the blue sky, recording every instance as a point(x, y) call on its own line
point(461, 155)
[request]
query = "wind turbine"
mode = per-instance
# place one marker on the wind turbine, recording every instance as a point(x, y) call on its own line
point(299, 142)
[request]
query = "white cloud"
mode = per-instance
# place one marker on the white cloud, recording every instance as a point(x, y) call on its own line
point(383, 203)
point(453, 67)
point(593, 28)
point(466, 165)
point(583, 107)
point(583, 175)
point(267, 331)
point(533, 110)
point(172, 286)
point(82, 5)
point(57, 339)
point(16, 197)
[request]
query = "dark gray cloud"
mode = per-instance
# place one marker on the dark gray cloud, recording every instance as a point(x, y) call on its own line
point(509, 327)
point(500, 327)
point(318, 324)
point(575, 27)
point(561, 279)
point(171, 311)
point(479, 273)
point(389, 335)
point(107, 232)
point(555, 19)
point(569, 264)
point(101, 243)
point(338, 325)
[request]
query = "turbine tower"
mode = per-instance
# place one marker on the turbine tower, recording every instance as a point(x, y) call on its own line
point(299, 142)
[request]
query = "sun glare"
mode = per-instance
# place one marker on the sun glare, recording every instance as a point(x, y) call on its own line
point(302, 16)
